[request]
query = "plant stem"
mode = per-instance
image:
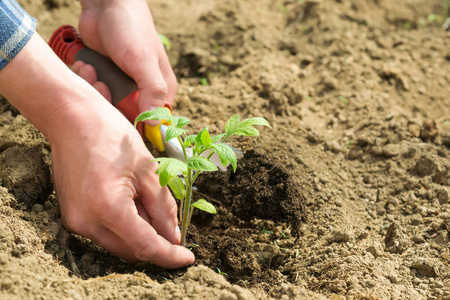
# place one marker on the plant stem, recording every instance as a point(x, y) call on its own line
point(190, 215)
point(186, 202)
point(181, 209)
point(184, 148)
point(186, 207)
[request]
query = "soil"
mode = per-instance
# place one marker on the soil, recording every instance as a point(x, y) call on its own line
point(346, 197)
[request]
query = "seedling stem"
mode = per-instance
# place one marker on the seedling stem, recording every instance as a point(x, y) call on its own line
point(191, 167)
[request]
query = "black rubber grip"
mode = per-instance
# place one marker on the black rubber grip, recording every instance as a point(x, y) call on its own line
point(119, 83)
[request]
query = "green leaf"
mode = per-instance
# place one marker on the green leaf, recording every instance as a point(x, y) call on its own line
point(158, 113)
point(190, 139)
point(264, 230)
point(226, 154)
point(202, 137)
point(201, 163)
point(217, 137)
point(204, 205)
point(231, 123)
point(180, 121)
point(245, 127)
point(177, 187)
point(254, 121)
point(206, 138)
point(168, 169)
point(247, 131)
point(165, 41)
point(173, 132)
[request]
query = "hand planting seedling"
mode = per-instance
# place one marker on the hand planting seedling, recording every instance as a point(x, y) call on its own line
point(203, 146)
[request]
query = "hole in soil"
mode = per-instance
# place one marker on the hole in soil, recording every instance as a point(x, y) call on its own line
point(51, 4)
point(259, 212)
point(260, 195)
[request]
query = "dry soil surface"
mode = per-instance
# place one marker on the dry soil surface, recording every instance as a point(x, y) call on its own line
point(346, 197)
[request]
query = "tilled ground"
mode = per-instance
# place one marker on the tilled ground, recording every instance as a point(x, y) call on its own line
point(351, 193)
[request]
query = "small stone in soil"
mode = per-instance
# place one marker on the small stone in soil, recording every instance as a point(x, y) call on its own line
point(376, 249)
point(395, 240)
point(443, 195)
point(339, 236)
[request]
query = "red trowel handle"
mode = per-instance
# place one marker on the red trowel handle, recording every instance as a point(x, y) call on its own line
point(67, 44)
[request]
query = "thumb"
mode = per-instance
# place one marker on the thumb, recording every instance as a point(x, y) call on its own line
point(153, 89)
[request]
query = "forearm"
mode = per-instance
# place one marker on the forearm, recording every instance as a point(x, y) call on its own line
point(39, 85)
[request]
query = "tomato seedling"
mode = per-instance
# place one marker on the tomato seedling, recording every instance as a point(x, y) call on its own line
point(202, 146)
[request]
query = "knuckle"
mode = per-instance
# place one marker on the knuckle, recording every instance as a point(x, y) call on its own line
point(101, 208)
point(159, 89)
point(145, 250)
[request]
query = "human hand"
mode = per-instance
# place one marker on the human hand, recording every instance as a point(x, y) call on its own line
point(124, 31)
point(103, 175)
point(107, 189)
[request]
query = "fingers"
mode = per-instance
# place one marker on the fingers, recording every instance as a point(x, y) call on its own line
point(85, 71)
point(88, 73)
point(103, 89)
point(106, 239)
point(162, 209)
point(143, 241)
point(169, 77)
point(152, 85)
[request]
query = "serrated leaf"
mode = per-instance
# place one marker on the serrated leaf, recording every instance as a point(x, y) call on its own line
point(231, 123)
point(189, 140)
point(226, 154)
point(173, 132)
point(158, 113)
point(206, 138)
point(201, 164)
point(168, 169)
point(245, 127)
point(204, 205)
point(198, 138)
point(177, 187)
point(217, 137)
point(247, 131)
point(180, 121)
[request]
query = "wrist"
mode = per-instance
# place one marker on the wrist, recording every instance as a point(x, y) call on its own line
point(40, 86)
point(88, 4)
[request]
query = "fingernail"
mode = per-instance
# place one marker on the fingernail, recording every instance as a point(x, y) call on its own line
point(177, 232)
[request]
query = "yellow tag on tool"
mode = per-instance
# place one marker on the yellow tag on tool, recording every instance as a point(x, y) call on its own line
point(153, 134)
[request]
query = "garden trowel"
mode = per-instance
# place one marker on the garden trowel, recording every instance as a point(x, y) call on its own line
point(68, 46)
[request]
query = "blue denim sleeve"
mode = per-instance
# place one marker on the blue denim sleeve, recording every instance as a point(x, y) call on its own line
point(16, 29)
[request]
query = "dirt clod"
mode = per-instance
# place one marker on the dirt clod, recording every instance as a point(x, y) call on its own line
point(24, 173)
point(396, 241)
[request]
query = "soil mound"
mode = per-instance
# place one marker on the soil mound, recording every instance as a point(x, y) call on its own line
point(260, 188)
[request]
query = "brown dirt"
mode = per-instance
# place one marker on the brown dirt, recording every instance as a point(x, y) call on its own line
point(357, 92)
